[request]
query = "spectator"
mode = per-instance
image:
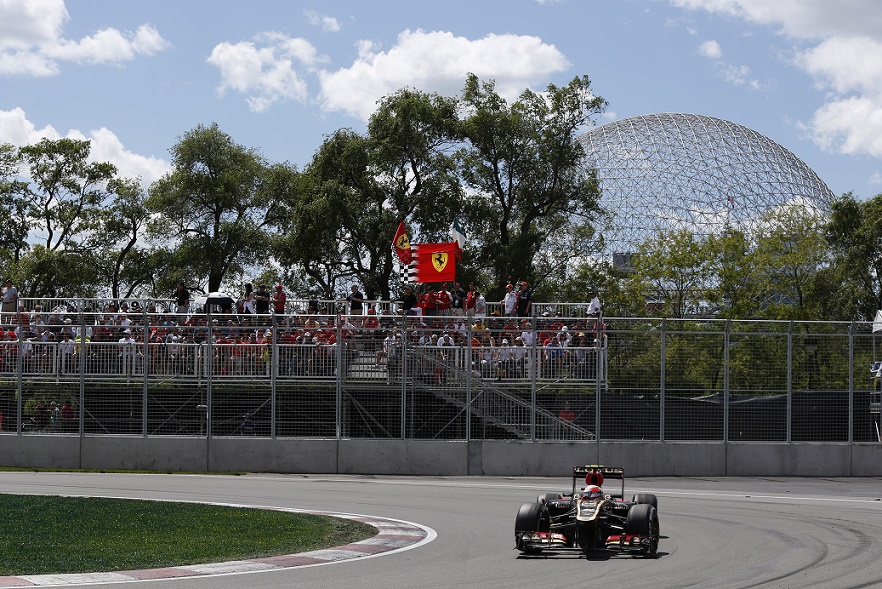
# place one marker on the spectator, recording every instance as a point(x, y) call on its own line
point(480, 305)
point(457, 300)
point(510, 301)
point(409, 301)
point(246, 428)
point(182, 300)
point(443, 300)
point(10, 302)
point(470, 300)
point(594, 305)
point(279, 298)
point(67, 416)
point(248, 299)
point(261, 300)
point(525, 300)
point(567, 414)
point(356, 301)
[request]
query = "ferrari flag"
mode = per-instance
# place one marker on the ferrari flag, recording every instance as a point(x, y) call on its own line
point(434, 262)
point(401, 243)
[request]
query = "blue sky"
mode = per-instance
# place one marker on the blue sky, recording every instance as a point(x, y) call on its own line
point(279, 75)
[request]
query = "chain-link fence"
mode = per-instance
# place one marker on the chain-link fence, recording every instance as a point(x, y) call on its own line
point(439, 377)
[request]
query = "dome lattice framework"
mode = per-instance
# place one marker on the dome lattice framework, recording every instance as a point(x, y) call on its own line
point(668, 172)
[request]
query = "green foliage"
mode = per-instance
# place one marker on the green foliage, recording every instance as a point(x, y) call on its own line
point(530, 200)
point(854, 278)
point(46, 535)
point(213, 204)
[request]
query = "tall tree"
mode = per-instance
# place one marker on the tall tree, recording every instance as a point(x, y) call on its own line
point(854, 235)
point(65, 193)
point(522, 164)
point(212, 206)
point(791, 253)
point(670, 270)
point(122, 257)
point(13, 207)
point(338, 219)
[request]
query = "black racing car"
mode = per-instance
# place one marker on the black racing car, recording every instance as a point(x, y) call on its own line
point(590, 518)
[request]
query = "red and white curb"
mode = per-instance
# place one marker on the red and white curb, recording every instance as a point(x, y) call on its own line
point(395, 536)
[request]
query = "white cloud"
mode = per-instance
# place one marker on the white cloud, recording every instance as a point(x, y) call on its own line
point(327, 23)
point(32, 42)
point(710, 49)
point(801, 18)
point(438, 62)
point(840, 45)
point(15, 128)
point(265, 74)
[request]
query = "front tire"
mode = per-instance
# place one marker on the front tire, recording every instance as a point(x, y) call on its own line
point(643, 521)
point(532, 517)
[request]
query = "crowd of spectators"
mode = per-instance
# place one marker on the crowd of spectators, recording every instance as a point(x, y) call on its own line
point(454, 323)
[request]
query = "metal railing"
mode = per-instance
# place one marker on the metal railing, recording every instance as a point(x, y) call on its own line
point(445, 377)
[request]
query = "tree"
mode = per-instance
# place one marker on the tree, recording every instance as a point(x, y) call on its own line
point(124, 263)
point(61, 204)
point(13, 207)
point(790, 255)
point(671, 271)
point(212, 204)
point(337, 219)
point(854, 235)
point(532, 202)
point(734, 289)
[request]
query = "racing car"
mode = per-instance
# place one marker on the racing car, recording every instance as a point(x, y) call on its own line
point(590, 519)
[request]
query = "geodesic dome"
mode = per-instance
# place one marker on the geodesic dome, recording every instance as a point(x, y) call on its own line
point(668, 172)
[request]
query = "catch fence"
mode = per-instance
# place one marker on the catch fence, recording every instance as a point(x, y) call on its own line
point(547, 378)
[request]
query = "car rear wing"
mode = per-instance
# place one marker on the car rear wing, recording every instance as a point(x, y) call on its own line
point(597, 474)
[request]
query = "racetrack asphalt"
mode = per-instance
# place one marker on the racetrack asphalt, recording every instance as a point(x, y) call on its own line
point(729, 533)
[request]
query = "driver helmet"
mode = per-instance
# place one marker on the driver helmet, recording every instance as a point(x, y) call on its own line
point(593, 492)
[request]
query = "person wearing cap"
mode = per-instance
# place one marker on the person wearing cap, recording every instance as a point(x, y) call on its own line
point(525, 301)
point(509, 302)
point(279, 298)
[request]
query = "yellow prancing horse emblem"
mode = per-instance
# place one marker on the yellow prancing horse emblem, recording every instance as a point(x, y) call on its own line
point(439, 261)
point(402, 243)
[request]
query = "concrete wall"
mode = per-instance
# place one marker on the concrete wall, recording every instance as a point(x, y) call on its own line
point(420, 457)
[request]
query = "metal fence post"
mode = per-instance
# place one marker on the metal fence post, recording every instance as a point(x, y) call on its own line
point(274, 372)
point(851, 382)
point(146, 370)
point(467, 364)
point(404, 353)
point(19, 368)
point(338, 396)
point(662, 376)
point(726, 381)
point(535, 363)
point(789, 435)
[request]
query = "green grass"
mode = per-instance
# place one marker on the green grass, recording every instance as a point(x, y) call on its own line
point(40, 535)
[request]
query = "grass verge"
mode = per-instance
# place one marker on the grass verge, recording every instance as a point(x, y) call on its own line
point(42, 535)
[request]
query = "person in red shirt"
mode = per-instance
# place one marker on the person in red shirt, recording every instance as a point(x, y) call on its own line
point(443, 300)
point(279, 298)
point(471, 300)
point(429, 302)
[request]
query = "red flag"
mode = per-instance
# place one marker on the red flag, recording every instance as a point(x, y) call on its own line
point(435, 262)
point(401, 243)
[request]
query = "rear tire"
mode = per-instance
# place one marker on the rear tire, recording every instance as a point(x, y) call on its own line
point(646, 498)
point(532, 517)
point(544, 498)
point(643, 521)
